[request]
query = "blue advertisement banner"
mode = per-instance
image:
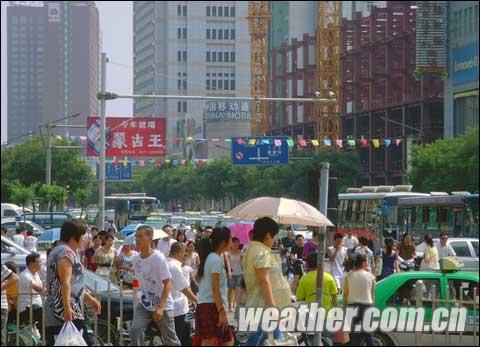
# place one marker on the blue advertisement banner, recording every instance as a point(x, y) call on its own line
point(465, 64)
point(116, 173)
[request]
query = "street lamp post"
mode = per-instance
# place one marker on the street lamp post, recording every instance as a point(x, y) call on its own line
point(101, 173)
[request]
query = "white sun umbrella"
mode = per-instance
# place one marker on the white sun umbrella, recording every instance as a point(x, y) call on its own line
point(157, 234)
point(284, 211)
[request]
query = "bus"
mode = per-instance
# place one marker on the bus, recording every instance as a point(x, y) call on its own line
point(372, 211)
point(131, 208)
point(456, 215)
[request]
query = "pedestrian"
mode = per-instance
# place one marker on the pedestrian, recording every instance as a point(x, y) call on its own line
point(191, 233)
point(9, 279)
point(164, 244)
point(212, 328)
point(18, 238)
point(12, 292)
point(350, 241)
point(285, 247)
point(359, 292)
point(124, 264)
point(181, 293)
point(296, 260)
point(430, 256)
point(31, 285)
point(389, 259)
point(234, 284)
point(338, 255)
point(365, 250)
point(312, 245)
point(207, 231)
point(181, 236)
point(4, 232)
point(307, 289)
point(265, 284)
point(444, 249)
point(104, 258)
point(156, 302)
point(94, 245)
point(65, 274)
point(192, 260)
point(31, 242)
point(406, 250)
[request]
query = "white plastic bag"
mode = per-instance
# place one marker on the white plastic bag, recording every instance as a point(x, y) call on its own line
point(70, 336)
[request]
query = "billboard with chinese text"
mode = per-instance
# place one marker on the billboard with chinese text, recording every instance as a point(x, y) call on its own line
point(128, 137)
point(228, 110)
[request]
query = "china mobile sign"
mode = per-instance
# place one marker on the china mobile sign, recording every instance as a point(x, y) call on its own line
point(128, 137)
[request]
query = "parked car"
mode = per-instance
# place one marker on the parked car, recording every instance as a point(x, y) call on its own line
point(49, 220)
point(13, 252)
point(11, 224)
point(466, 250)
point(12, 210)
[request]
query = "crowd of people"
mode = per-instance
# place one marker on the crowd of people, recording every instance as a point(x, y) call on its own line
point(206, 268)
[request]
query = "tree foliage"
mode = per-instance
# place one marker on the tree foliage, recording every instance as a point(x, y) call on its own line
point(52, 196)
point(447, 165)
point(22, 195)
point(26, 163)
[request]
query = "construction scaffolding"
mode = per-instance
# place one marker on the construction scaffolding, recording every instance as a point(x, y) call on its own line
point(380, 97)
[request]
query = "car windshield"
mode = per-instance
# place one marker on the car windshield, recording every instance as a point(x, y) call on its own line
point(299, 227)
point(102, 284)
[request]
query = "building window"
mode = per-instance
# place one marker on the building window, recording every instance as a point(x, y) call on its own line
point(214, 84)
point(220, 11)
point(232, 84)
point(179, 33)
point(220, 82)
point(184, 84)
point(208, 34)
point(179, 84)
point(185, 10)
point(225, 57)
point(220, 33)
point(185, 56)
point(232, 57)
point(225, 84)
point(214, 11)
point(232, 11)
point(179, 106)
point(214, 56)
point(179, 56)
point(184, 32)
point(232, 34)
point(184, 106)
point(207, 86)
point(208, 56)
point(225, 34)
point(220, 57)
point(179, 10)
point(208, 11)
point(214, 34)
point(225, 12)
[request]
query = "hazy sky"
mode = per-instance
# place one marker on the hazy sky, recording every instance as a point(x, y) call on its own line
point(116, 25)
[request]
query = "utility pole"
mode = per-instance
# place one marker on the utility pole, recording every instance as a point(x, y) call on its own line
point(323, 207)
point(48, 179)
point(101, 174)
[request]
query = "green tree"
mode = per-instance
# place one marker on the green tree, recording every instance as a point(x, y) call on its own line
point(81, 197)
point(52, 196)
point(446, 165)
point(22, 195)
point(25, 162)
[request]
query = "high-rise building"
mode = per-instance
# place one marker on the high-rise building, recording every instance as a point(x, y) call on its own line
point(191, 48)
point(53, 63)
point(461, 84)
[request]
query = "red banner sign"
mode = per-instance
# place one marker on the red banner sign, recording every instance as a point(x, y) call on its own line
point(128, 137)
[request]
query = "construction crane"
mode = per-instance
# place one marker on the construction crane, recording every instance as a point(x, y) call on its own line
point(258, 16)
point(328, 69)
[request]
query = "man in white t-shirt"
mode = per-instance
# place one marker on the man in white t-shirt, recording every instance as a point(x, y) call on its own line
point(164, 244)
point(181, 292)
point(18, 238)
point(190, 233)
point(156, 302)
point(337, 255)
point(31, 283)
point(367, 252)
point(444, 249)
point(350, 241)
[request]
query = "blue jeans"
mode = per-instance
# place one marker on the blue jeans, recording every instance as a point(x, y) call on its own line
point(258, 338)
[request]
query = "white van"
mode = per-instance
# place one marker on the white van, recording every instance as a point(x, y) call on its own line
point(12, 210)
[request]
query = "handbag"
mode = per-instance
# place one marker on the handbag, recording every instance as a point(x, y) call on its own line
point(287, 340)
point(341, 337)
point(377, 270)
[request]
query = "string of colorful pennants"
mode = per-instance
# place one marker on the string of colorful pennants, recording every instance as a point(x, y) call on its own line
point(341, 143)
